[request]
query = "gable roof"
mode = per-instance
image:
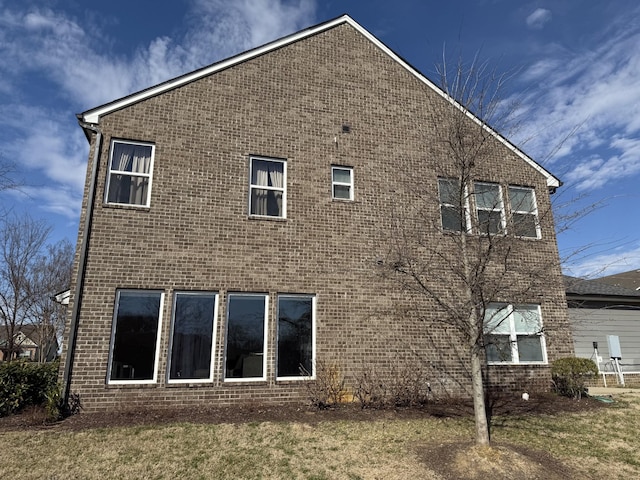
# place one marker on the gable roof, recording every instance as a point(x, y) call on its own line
point(93, 115)
point(630, 279)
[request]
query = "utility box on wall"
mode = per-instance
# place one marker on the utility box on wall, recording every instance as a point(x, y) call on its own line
point(614, 346)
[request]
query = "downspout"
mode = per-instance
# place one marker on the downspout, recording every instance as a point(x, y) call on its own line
point(82, 261)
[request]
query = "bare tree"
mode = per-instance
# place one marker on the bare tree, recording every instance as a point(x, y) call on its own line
point(470, 262)
point(21, 243)
point(51, 275)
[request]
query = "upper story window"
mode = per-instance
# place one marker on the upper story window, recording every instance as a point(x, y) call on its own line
point(513, 334)
point(524, 211)
point(489, 207)
point(129, 176)
point(453, 205)
point(342, 183)
point(268, 190)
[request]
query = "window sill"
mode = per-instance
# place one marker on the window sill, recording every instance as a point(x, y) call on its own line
point(267, 218)
point(512, 364)
point(123, 206)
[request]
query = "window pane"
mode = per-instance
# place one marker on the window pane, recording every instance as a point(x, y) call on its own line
point(451, 219)
point(524, 225)
point(192, 336)
point(497, 319)
point(136, 335)
point(245, 336)
point(266, 202)
point(498, 348)
point(341, 175)
point(527, 320)
point(530, 348)
point(267, 173)
point(522, 199)
point(295, 330)
point(449, 191)
point(342, 192)
point(127, 157)
point(490, 222)
point(488, 196)
point(128, 189)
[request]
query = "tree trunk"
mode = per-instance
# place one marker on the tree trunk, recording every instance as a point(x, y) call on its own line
point(482, 424)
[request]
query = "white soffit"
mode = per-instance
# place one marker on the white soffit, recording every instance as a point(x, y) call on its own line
point(93, 116)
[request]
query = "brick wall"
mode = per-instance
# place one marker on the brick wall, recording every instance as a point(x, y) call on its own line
point(290, 103)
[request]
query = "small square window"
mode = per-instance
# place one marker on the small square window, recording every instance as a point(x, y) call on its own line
point(129, 176)
point(267, 197)
point(342, 183)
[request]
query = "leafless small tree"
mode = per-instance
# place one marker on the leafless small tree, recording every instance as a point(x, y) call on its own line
point(476, 261)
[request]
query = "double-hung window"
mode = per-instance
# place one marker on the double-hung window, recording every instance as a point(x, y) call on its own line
point(524, 212)
point(296, 336)
point(489, 208)
point(246, 336)
point(135, 337)
point(192, 336)
point(129, 176)
point(453, 205)
point(513, 334)
point(342, 183)
point(268, 189)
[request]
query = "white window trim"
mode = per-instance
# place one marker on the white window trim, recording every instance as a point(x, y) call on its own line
point(350, 184)
point(534, 213)
point(111, 172)
point(513, 337)
point(467, 213)
point(264, 340)
point(213, 336)
point(113, 337)
point(266, 187)
point(497, 208)
point(313, 339)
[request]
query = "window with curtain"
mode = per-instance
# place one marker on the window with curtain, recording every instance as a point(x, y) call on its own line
point(267, 197)
point(135, 336)
point(524, 212)
point(296, 323)
point(342, 183)
point(192, 336)
point(453, 205)
point(246, 339)
point(513, 334)
point(129, 176)
point(489, 208)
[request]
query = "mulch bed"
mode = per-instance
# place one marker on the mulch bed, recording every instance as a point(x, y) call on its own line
point(546, 404)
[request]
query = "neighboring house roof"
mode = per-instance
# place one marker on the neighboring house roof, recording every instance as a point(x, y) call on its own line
point(582, 289)
point(25, 335)
point(630, 279)
point(93, 116)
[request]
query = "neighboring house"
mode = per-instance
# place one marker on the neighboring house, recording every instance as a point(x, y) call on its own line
point(598, 310)
point(28, 344)
point(232, 221)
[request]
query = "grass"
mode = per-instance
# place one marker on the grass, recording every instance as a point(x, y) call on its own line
point(602, 444)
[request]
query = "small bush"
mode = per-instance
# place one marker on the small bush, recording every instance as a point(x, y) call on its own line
point(25, 383)
point(404, 385)
point(328, 388)
point(571, 374)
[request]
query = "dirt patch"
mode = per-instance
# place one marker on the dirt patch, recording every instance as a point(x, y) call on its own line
point(547, 404)
point(466, 461)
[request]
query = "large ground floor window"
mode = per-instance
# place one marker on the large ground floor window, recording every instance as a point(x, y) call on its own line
point(296, 327)
point(135, 337)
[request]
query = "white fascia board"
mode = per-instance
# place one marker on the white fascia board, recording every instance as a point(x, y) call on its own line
point(93, 116)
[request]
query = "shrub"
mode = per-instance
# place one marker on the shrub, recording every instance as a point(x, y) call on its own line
point(328, 388)
point(26, 383)
point(571, 374)
point(403, 385)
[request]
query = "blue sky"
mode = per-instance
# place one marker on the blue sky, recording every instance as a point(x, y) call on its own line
point(575, 65)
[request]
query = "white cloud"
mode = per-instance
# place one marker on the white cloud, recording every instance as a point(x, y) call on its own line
point(538, 18)
point(621, 259)
point(596, 91)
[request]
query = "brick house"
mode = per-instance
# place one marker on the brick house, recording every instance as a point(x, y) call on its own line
point(232, 219)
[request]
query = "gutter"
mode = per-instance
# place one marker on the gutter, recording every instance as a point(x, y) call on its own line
point(88, 129)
